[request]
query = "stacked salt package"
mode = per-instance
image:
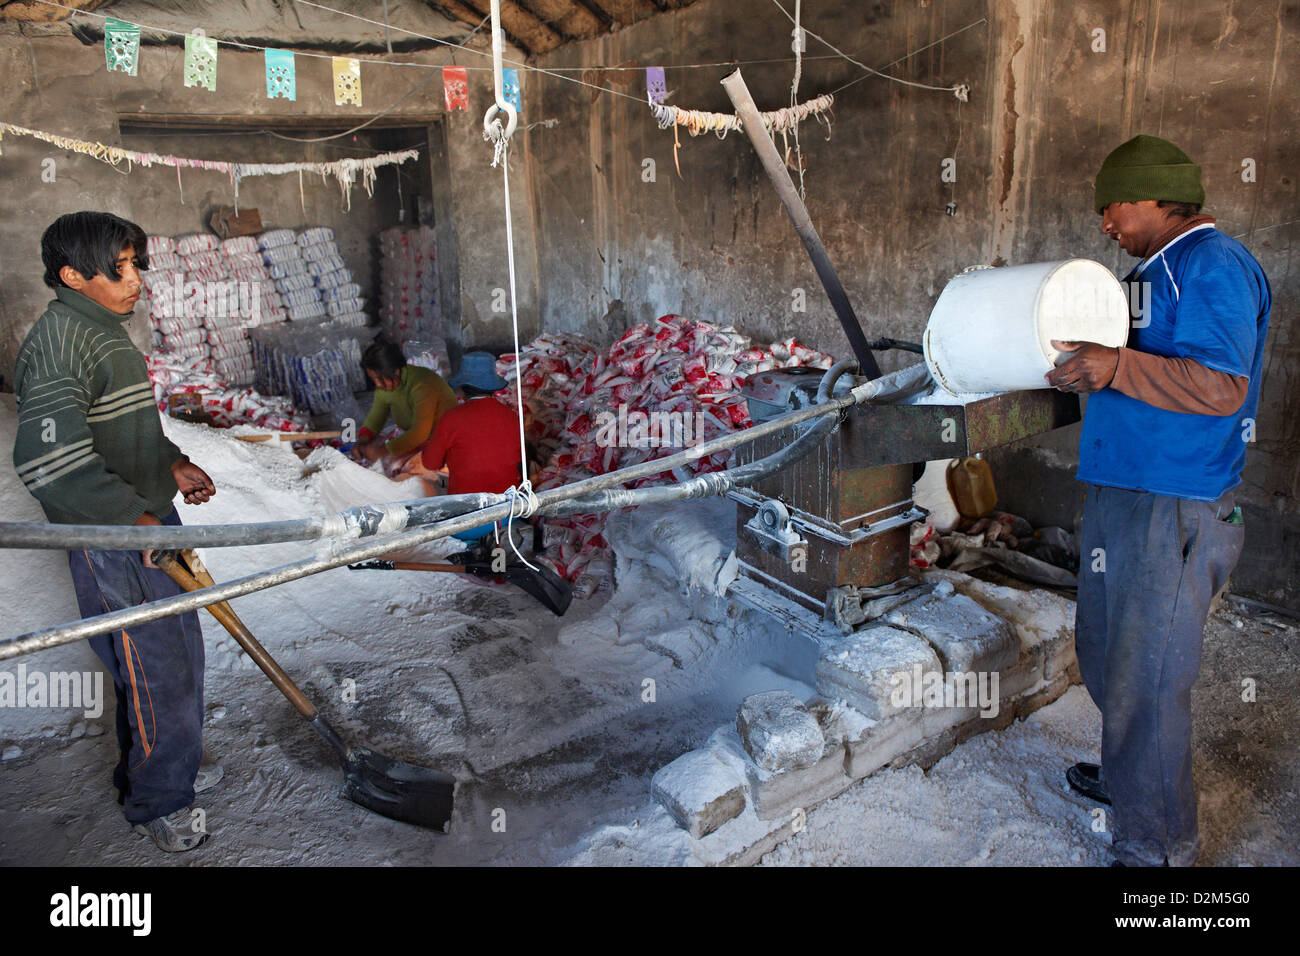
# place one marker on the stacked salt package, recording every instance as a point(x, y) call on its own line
point(317, 364)
point(225, 405)
point(583, 408)
point(176, 303)
point(245, 300)
point(408, 296)
point(331, 277)
point(287, 268)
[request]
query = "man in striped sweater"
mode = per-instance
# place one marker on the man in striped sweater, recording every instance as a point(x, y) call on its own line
point(91, 449)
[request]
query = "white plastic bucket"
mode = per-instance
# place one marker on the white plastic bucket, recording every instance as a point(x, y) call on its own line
point(992, 329)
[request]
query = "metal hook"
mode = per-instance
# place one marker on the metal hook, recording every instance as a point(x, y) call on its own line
point(492, 125)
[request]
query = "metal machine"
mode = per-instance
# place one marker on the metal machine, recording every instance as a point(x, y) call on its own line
point(833, 531)
point(834, 528)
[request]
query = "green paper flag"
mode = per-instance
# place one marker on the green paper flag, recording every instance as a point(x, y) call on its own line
point(121, 45)
point(200, 60)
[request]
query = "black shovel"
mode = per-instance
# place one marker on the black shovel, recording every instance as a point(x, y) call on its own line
point(554, 593)
point(389, 787)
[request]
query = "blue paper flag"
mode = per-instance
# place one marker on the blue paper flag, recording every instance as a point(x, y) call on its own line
point(510, 86)
point(280, 77)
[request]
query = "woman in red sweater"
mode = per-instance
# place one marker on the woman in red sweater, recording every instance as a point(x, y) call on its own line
point(478, 440)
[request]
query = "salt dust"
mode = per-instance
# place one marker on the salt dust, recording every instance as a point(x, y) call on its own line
point(558, 723)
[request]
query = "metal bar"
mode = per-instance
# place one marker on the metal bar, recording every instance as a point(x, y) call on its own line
point(701, 486)
point(369, 520)
point(776, 171)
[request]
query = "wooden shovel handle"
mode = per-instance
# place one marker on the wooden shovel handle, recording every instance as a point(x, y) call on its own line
point(418, 566)
point(171, 563)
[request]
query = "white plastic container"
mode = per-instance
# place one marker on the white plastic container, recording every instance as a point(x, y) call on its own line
point(992, 329)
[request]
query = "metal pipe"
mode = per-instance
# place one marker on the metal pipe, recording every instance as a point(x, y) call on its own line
point(785, 189)
point(897, 383)
point(365, 520)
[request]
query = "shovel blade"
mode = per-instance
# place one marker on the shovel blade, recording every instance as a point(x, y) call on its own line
point(399, 790)
point(545, 585)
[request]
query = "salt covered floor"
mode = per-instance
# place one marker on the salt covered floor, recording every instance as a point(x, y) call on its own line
point(546, 724)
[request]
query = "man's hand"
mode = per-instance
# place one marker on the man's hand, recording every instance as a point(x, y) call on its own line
point(373, 451)
point(193, 482)
point(148, 519)
point(1090, 369)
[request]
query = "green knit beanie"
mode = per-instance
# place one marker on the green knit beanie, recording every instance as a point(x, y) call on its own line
point(1148, 167)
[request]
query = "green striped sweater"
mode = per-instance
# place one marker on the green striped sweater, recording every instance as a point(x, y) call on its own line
point(90, 445)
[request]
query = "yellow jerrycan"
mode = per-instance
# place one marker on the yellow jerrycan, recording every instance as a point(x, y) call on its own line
point(970, 482)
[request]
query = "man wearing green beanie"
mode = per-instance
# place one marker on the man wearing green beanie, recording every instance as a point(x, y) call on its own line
point(1161, 454)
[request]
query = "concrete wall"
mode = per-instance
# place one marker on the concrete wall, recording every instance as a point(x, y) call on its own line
point(1218, 78)
point(57, 83)
point(713, 242)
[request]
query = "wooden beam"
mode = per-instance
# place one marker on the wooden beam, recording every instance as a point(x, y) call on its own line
point(568, 19)
point(523, 27)
point(41, 13)
point(596, 10)
point(457, 11)
point(629, 11)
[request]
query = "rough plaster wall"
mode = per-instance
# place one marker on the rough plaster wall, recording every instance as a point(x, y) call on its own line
point(1216, 77)
point(56, 83)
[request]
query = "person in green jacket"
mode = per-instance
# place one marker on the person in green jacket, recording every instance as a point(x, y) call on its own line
point(415, 398)
point(90, 448)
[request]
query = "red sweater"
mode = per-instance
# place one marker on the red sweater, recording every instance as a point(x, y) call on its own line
point(479, 443)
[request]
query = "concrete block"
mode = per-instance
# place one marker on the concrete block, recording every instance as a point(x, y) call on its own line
point(929, 751)
point(937, 720)
point(1041, 619)
point(1032, 701)
point(1058, 655)
point(882, 741)
point(1025, 675)
point(778, 732)
point(867, 666)
point(774, 795)
point(966, 637)
point(699, 791)
point(779, 794)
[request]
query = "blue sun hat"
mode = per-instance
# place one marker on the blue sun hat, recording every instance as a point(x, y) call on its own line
point(479, 370)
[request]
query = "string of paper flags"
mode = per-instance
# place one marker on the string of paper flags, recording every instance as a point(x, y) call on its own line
point(122, 54)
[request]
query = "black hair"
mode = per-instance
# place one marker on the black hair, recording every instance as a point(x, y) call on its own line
point(473, 391)
point(384, 358)
point(89, 242)
point(1184, 210)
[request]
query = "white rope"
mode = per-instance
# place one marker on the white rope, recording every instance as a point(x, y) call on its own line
point(523, 502)
point(698, 122)
point(794, 87)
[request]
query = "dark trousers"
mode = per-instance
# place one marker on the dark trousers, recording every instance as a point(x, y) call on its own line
point(157, 671)
point(1149, 567)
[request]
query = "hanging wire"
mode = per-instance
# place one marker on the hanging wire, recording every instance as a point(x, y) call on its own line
point(556, 71)
point(960, 90)
point(523, 502)
point(798, 35)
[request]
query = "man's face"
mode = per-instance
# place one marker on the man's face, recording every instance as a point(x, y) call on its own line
point(116, 295)
point(1134, 225)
